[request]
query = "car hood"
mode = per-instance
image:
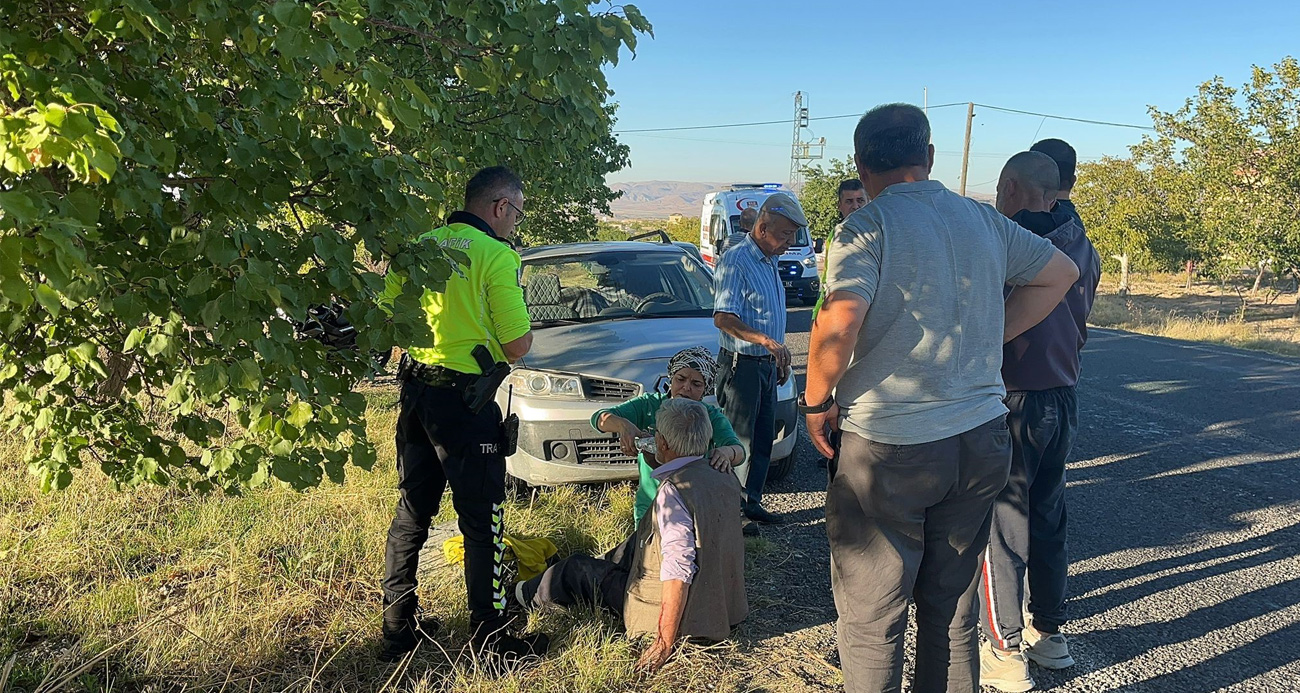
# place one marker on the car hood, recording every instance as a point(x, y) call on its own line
point(628, 349)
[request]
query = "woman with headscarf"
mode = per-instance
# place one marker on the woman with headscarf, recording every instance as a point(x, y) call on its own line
point(690, 375)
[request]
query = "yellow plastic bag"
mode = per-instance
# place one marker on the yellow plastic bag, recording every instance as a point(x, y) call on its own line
point(531, 553)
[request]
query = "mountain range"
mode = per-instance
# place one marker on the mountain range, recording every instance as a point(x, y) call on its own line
point(657, 199)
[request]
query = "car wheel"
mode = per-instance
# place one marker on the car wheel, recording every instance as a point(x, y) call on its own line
point(519, 489)
point(781, 468)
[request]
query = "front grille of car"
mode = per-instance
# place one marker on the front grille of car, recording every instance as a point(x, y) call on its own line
point(602, 451)
point(789, 270)
point(609, 389)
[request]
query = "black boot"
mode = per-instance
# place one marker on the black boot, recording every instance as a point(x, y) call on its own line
point(494, 641)
point(402, 636)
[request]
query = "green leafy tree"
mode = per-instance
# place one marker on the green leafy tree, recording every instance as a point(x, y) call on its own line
point(684, 229)
point(1238, 151)
point(1127, 211)
point(819, 198)
point(178, 178)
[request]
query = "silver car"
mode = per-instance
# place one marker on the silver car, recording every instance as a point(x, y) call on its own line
point(606, 318)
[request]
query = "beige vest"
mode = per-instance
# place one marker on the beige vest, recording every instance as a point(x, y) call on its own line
point(715, 601)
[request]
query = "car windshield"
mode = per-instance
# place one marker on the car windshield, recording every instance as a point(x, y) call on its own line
point(616, 284)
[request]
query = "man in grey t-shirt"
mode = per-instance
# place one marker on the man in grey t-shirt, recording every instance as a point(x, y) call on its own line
point(904, 389)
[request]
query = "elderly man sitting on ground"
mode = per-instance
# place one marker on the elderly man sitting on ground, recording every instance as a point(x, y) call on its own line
point(682, 574)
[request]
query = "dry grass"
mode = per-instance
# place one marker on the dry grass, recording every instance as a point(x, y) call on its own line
point(153, 589)
point(1160, 305)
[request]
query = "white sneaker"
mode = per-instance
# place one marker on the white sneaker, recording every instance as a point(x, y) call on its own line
point(1048, 651)
point(1005, 671)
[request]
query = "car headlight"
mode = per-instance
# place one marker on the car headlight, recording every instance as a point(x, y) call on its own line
point(543, 384)
point(810, 262)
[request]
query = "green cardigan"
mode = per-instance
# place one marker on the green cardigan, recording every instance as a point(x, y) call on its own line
point(641, 412)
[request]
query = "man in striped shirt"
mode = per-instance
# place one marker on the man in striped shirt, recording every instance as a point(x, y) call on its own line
point(749, 310)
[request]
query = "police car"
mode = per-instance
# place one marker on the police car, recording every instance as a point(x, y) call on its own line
point(606, 318)
point(720, 217)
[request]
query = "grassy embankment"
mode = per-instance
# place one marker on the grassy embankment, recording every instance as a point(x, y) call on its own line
point(1159, 304)
point(152, 589)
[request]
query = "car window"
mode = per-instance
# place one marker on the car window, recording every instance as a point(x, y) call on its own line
point(616, 284)
point(718, 228)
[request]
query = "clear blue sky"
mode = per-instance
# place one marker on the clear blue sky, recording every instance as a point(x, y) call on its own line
point(727, 61)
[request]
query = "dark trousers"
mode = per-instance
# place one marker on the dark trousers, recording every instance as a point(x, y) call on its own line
point(746, 392)
point(581, 579)
point(440, 442)
point(910, 521)
point(1028, 532)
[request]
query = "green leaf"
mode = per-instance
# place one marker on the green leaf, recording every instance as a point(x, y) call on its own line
point(363, 455)
point(160, 344)
point(299, 414)
point(85, 352)
point(13, 283)
point(133, 339)
point(348, 33)
point(20, 206)
point(49, 299)
point(245, 375)
point(285, 12)
point(222, 460)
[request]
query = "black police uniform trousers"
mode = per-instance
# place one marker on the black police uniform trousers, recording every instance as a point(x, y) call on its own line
point(440, 442)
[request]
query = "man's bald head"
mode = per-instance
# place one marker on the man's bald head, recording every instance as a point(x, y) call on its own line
point(1030, 180)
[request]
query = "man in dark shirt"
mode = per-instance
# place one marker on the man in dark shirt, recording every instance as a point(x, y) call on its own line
point(1040, 369)
point(1066, 161)
point(747, 218)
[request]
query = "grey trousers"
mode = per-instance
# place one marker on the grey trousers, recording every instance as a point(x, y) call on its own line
point(582, 579)
point(1028, 531)
point(746, 391)
point(910, 521)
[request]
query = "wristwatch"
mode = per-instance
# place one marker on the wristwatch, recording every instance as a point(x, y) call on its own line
point(822, 408)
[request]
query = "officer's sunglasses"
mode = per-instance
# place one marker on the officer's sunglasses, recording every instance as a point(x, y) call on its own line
point(519, 218)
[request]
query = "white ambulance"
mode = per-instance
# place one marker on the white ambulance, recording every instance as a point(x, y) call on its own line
point(720, 218)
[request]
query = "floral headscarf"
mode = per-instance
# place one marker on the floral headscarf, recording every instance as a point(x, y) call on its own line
point(699, 358)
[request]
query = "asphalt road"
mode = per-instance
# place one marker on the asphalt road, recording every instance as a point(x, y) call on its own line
point(1184, 506)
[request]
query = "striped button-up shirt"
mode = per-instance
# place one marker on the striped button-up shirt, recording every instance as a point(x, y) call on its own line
point(746, 284)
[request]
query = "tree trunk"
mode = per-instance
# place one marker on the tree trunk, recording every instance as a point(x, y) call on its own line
point(1123, 273)
point(1190, 267)
point(1259, 278)
point(119, 368)
point(1296, 315)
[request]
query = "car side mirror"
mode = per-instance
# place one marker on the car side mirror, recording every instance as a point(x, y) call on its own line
point(819, 245)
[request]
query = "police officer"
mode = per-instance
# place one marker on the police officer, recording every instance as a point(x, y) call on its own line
point(442, 440)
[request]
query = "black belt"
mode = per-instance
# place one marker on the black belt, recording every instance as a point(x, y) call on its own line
point(750, 357)
point(433, 376)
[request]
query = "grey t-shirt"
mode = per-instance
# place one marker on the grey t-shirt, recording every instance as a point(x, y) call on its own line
point(932, 264)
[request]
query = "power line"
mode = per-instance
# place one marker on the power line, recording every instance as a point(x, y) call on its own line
point(1076, 120)
point(709, 140)
point(761, 122)
point(859, 115)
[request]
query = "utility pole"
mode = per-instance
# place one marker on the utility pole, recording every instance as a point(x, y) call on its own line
point(965, 150)
point(925, 100)
point(801, 151)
